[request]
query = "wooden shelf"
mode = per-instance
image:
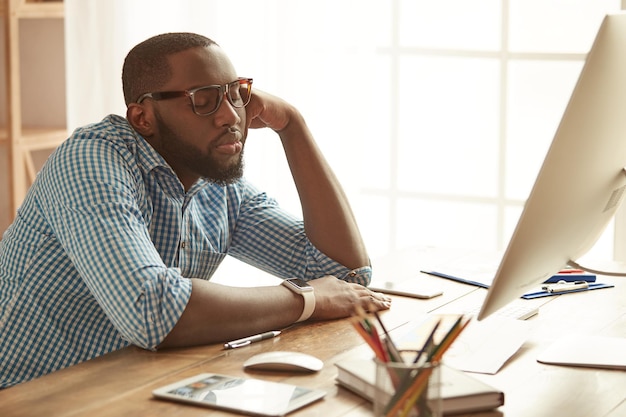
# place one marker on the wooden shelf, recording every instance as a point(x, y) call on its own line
point(36, 139)
point(27, 26)
point(43, 10)
point(35, 9)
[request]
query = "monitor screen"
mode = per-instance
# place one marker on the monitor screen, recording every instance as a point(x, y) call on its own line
point(582, 180)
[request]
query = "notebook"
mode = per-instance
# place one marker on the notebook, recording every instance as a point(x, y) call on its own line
point(461, 393)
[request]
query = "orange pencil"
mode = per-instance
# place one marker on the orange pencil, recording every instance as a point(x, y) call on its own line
point(422, 379)
point(376, 347)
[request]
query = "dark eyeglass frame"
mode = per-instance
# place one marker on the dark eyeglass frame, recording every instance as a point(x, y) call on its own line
point(224, 90)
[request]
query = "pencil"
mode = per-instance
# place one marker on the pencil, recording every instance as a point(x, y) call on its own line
point(403, 397)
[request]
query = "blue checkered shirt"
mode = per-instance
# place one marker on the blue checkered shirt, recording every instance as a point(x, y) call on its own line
point(102, 249)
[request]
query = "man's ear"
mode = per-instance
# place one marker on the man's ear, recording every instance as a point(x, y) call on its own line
point(141, 119)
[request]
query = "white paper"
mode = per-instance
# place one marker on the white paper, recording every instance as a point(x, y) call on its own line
point(588, 351)
point(484, 346)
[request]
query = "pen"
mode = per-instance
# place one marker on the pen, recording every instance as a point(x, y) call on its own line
point(577, 285)
point(571, 271)
point(251, 339)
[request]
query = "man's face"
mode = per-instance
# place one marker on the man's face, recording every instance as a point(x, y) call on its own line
point(199, 146)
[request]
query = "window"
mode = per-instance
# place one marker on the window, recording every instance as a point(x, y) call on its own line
point(476, 90)
point(436, 115)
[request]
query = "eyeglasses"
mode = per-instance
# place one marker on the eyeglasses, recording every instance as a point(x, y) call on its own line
point(206, 100)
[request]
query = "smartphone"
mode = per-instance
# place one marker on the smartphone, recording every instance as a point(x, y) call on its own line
point(408, 288)
point(242, 395)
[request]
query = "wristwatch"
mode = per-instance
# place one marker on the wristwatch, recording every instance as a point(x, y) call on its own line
point(300, 286)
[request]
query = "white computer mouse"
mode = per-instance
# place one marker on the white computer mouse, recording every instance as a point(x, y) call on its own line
point(284, 361)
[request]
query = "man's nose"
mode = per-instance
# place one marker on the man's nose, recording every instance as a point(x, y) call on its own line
point(226, 113)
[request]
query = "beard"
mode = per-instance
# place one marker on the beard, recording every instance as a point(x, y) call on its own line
point(204, 164)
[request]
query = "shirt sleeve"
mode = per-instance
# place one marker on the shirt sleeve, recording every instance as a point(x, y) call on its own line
point(362, 275)
point(96, 210)
point(275, 241)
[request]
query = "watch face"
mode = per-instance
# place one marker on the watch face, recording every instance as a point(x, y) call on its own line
point(299, 284)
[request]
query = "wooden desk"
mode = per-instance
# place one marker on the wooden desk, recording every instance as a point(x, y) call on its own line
point(120, 383)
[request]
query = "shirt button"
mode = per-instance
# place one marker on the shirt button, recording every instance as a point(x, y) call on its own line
point(183, 244)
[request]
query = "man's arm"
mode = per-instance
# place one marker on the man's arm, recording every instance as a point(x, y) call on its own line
point(329, 224)
point(328, 218)
point(217, 313)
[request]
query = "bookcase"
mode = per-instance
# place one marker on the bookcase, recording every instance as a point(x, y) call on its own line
point(33, 122)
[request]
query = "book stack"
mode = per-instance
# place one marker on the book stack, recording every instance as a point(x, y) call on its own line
point(460, 392)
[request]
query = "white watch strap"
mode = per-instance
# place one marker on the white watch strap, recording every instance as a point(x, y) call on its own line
point(309, 305)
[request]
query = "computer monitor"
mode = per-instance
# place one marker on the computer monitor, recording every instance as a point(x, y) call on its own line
point(582, 180)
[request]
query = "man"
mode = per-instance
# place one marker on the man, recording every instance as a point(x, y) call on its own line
point(117, 238)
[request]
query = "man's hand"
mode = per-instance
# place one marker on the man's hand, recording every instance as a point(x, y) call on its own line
point(335, 298)
point(266, 110)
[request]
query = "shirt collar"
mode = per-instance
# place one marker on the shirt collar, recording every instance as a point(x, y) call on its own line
point(150, 161)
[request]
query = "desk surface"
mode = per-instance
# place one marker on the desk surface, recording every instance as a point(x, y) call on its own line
point(120, 383)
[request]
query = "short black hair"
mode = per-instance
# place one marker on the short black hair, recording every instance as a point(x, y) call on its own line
point(146, 67)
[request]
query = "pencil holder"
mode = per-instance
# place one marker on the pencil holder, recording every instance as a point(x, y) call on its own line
point(407, 389)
